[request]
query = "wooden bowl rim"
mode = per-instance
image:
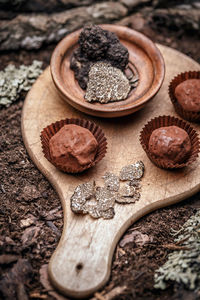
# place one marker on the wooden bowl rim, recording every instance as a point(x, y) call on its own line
point(139, 38)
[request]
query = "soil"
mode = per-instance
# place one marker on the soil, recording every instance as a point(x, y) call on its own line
point(26, 194)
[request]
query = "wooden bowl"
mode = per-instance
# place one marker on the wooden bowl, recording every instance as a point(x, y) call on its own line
point(144, 58)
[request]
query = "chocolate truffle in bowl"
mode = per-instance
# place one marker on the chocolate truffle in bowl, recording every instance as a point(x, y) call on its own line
point(170, 143)
point(73, 147)
point(187, 94)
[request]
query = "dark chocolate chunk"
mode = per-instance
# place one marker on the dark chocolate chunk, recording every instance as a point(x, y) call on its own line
point(93, 42)
point(81, 71)
point(117, 55)
point(96, 44)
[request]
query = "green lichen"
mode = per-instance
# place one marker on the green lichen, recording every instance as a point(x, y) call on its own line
point(14, 80)
point(183, 266)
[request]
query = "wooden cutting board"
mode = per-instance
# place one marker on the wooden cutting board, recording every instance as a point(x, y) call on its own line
point(82, 261)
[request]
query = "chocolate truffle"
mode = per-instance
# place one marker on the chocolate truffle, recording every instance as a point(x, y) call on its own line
point(73, 147)
point(171, 144)
point(187, 94)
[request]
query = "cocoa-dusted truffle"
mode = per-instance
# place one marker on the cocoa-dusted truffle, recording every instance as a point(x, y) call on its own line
point(187, 94)
point(171, 144)
point(73, 147)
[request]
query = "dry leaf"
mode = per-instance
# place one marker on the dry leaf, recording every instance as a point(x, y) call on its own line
point(38, 295)
point(54, 228)
point(21, 292)
point(115, 292)
point(30, 220)
point(110, 295)
point(30, 192)
point(54, 214)
point(13, 280)
point(135, 236)
point(9, 241)
point(47, 285)
point(29, 235)
point(7, 259)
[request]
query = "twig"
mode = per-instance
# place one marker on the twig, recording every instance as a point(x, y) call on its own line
point(99, 296)
point(175, 247)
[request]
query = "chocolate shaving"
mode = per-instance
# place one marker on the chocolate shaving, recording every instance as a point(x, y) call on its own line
point(133, 171)
point(135, 183)
point(127, 191)
point(94, 212)
point(99, 202)
point(103, 201)
point(82, 193)
point(108, 214)
point(111, 181)
point(128, 199)
point(105, 198)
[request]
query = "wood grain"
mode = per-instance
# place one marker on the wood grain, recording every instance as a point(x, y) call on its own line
point(81, 263)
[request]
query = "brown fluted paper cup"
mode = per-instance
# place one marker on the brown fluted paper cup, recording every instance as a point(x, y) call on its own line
point(187, 115)
point(164, 121)
point(53, 128)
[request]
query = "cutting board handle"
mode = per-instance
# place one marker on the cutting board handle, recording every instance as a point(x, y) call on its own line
point(82, 261)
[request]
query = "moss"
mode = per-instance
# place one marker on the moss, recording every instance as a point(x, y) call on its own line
point(183, 266)
point(14, 81)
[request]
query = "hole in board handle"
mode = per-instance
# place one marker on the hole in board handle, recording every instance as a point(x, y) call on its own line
point(79, 267)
